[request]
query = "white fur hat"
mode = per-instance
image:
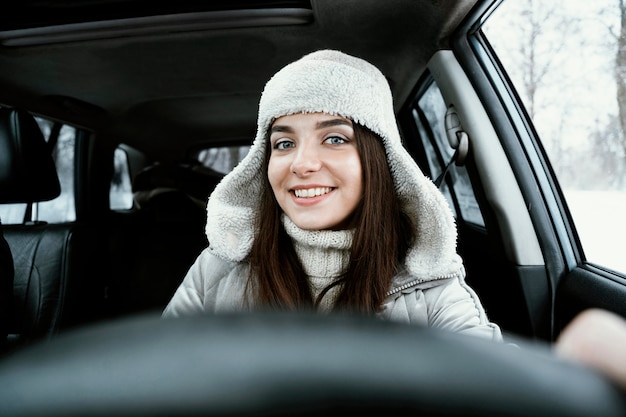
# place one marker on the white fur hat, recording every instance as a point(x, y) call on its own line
point(336, 83)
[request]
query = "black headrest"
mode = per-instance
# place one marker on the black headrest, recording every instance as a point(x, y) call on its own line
point(192, 180)
point(27, 170)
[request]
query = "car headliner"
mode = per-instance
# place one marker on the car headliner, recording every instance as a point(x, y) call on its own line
point(166, 83)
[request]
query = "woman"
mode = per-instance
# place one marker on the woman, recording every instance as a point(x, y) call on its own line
point(329, 212)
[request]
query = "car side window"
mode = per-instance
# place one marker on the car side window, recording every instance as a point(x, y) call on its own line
point(567, 61)
point(429, 112)
point(61, 209)
point(120, 191)
point(221, 159)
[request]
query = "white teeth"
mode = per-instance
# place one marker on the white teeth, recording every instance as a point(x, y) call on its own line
point(312, 192)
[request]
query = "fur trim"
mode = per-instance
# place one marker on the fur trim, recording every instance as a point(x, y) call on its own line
point(335, 83)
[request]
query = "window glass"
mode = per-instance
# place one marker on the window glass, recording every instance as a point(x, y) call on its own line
point(429, 115)
point(222, 159)
point(120, 192)
point(567, 61)
point(61, 209)
point(12, 213)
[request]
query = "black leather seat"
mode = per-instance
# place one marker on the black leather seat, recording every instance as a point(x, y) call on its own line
point(48, 264)
point(6, 289)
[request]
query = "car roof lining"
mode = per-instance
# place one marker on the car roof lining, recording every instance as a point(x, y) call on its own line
point(31, 14)
point(209, 80)
point(142, 26)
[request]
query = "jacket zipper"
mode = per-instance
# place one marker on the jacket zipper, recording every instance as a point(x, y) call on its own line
point(419, 281)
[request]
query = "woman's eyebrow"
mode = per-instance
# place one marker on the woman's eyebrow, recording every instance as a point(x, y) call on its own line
point(333, 122)
point(281, 128)
point(319, 125)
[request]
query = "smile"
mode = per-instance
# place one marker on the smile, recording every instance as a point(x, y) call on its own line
point(312, 192)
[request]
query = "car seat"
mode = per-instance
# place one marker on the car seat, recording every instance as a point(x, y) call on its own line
point(6, 289)
point(49, 260)
point(154, 246)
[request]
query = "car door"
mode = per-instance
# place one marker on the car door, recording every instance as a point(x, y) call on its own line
point(540, 196)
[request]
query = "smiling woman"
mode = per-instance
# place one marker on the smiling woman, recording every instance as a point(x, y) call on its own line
point(329, 212)
point(315, 170)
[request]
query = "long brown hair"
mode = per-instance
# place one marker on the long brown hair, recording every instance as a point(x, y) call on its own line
point(383, 234)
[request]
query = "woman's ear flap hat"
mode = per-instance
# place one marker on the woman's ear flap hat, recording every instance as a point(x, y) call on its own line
point(332, 82)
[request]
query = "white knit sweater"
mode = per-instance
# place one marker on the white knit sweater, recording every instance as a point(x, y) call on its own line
point(324, 255)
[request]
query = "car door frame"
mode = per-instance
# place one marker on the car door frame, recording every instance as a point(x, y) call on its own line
point(572, 283)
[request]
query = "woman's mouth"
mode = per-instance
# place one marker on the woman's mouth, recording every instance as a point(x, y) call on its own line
point(312, 192)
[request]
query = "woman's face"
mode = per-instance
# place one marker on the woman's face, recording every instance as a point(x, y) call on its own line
point(315, 170)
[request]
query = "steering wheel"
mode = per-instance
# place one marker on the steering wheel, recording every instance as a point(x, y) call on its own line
point(285, 364)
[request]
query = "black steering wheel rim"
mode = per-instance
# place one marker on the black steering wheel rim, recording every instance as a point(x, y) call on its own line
point(279, 364)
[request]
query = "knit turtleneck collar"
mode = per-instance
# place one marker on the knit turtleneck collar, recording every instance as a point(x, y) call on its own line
point(324, 254)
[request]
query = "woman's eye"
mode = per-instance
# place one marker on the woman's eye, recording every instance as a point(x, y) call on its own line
point(283, 144)
point(336, 140)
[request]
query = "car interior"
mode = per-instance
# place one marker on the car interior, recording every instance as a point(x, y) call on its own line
point(149, 94)
point(163, 117)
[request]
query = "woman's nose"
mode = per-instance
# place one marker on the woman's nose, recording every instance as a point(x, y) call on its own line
point(306, 160)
